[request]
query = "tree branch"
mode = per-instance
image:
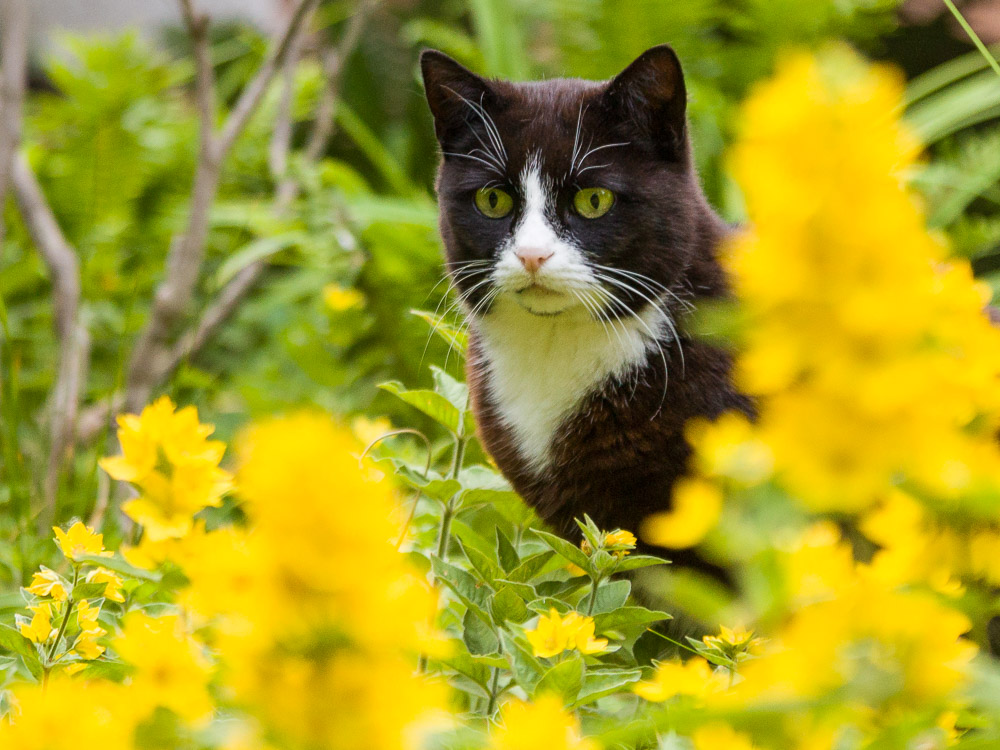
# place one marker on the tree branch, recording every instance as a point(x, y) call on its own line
point(74, 340)
point(152, 351)
point(13, 73)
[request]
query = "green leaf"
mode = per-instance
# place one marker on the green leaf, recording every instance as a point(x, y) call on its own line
point(120, 565)
point(486, 568)
point(453, 335)
point(106, 669)
point(564, 549)
point(13, 641)
point(611, 595)
point(524, 590)
point(89, 591)
point(257, 250)
point(505, 551)
point(564, 679)
point(432, 484)
point(468, 590)
point(478, 637)
point(457, 393)
point(530, 566)
point(526, 668)
point(506, 606)
point(624, 617)
point(599, 684)
point(634, 562)
point(465, 665)
point(433, 404)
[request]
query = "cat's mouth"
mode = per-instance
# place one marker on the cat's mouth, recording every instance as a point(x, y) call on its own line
point(539, 299)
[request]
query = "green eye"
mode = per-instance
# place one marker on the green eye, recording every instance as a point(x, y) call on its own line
point(593, 203)
point(494, 202)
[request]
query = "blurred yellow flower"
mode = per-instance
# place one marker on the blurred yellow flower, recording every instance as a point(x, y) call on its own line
point(339, 299)
point(48, 583)
point(171, 669)
point(540, 725)
point(720, 737)
point(555, 633)
point(694, 677)
point(80, 541)
point(697, 505)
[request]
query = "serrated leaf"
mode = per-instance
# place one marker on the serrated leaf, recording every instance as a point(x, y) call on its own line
point(508, 556)
point(120, 565)
point(564, 549)
point(611, 595)
point(564, 679)
point(530, 566)
point(506, 606)
point(599, 684)
point(434, 405)
point(478, 637)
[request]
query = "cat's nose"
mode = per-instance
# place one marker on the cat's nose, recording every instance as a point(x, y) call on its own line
point(532, 258)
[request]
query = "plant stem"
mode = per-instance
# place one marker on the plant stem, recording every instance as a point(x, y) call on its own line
point(973, 36)
point(493, 692)
point(62, 626)
point(593, 597)
point(444, 533)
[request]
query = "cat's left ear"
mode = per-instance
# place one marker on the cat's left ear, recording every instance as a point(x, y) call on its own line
point(650, 94)
point(453, 94)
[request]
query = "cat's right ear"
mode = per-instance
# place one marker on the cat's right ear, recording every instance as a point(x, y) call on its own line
point(453, 93)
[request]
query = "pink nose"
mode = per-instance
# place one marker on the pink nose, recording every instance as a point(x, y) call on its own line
point(532, 258)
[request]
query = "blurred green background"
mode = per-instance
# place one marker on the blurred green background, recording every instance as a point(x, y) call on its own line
point(111, 129)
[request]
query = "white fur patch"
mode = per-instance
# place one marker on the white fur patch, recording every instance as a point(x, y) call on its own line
point(545, 350)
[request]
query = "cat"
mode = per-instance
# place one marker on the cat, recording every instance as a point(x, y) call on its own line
point(577, 236)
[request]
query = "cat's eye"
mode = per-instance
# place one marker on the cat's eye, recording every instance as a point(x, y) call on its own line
point(494, 203)
point(593, 203)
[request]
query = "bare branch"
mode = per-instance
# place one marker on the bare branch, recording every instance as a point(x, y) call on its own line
point(146, 368)
point(319, 137)
point(13, 74)
point(74, 341)
point(252, 94)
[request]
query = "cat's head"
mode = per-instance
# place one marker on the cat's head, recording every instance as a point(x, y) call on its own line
point(565, 194)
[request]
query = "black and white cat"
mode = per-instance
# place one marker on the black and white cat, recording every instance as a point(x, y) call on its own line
point(577, 235)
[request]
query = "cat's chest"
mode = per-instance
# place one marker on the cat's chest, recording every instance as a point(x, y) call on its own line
point(538, 370)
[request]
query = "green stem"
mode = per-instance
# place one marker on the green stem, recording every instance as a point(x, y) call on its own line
point(491, 706)
point(444, 532)
point(593, 596)
point(65, 621)
point(973, 36)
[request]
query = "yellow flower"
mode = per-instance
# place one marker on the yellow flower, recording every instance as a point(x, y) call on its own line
point(80, 541)
point(48, 583)
point(620, 542)
point(693, 677)
point(720, 737)
point(369, 430)
point(729, 448)
point(113, 589)
point(171, 669)
point(87, 616)
point(554, 634)
point(697, 505)
point(39, 629)
point(734, 642)
point(339, 299)
point(167, 455)
point(87, 647)
point(540, 725)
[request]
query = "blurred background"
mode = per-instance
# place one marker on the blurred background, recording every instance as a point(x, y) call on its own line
point(319, 236)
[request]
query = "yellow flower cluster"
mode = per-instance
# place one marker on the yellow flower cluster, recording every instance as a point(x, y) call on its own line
point(873, 353)
point(318, 617)
point(694, 677)
point(555, 633)
point(855, 632)
point(167, 456)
